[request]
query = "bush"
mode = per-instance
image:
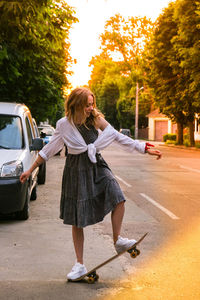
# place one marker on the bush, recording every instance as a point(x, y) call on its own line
point(170, 142)
point(197, 145)
point(169, 136)
point(186, 143)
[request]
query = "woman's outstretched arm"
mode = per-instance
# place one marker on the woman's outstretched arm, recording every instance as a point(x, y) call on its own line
point(102, 124)
point(24, 176)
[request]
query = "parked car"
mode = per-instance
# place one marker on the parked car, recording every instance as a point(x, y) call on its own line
point(46, 132)
point(125, 132)
point(19, 144)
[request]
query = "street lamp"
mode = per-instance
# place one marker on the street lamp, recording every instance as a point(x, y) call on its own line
point(137, 109)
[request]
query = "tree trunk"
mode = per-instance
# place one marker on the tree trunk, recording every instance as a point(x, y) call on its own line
point(180, 133)
point(191, 133)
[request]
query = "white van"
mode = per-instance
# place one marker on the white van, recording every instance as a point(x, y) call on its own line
point(19, 144)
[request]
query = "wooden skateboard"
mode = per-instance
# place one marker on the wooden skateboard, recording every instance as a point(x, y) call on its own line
point(92, 276)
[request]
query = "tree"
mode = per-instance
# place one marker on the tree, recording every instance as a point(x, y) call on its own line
point(109, 96)
point(163, 73)
point(172, 65)
point(186, 44)
point(124, 39)
point(34, 54)
point(125, 113)
point(121, 45)
point(103, 83)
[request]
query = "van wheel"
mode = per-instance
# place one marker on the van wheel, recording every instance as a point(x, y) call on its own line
point(42, 174)
point(24, 214)
point(34, 193)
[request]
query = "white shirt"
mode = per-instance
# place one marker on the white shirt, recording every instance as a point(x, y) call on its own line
point(67, 133)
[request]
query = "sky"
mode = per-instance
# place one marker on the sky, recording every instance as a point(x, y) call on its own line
point(92, 15)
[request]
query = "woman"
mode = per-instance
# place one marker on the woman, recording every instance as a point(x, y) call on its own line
point(89, 189)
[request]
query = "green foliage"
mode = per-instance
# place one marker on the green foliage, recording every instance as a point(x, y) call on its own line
point(171, 62)
point(34, 54)
point(197, 145)
point(118, 63)
point(103, 83)
point(186, 43)
point(162, 77)
point(186, 143)
point(170, 142)
point(169, 137)
point(125, 113)
point(108, 98)
point(125, 38)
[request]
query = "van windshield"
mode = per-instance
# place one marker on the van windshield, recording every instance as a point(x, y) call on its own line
point(11, 135)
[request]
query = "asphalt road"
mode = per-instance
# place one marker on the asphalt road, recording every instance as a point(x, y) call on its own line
point(168, 190)
point(162, 199)
point(172, 182)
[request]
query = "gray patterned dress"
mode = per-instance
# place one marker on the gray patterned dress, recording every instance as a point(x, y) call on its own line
point(89, 191)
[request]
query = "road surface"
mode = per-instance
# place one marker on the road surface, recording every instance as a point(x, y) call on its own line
point(162, 199)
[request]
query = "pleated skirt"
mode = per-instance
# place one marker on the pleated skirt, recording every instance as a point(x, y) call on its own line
point(89, 191)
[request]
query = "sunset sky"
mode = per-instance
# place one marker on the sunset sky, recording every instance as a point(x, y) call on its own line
point(92, 15)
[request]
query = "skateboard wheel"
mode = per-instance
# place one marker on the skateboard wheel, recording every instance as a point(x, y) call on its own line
point(96, 278)
point(91, 280)
point(133, 254)
point(138, 252)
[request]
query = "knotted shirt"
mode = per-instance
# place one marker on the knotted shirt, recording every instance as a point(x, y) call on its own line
point(67, 133)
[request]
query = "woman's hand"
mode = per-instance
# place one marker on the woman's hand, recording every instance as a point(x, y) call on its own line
point(24, 176)
point(153, 151)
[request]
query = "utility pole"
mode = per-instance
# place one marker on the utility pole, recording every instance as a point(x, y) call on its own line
point(137, 109)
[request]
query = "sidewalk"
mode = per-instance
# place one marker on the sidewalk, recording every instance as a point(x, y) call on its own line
point(162, 144)
point(37, 254)
point(178, 146)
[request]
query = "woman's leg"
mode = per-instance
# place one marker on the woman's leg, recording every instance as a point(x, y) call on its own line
point(116, 218)
point(78, 239)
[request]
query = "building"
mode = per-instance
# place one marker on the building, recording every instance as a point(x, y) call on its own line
point(159, 125)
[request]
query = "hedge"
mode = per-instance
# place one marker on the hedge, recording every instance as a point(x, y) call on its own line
point(169, 136)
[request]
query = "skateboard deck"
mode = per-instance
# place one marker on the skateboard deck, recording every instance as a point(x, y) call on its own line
point(91, 276)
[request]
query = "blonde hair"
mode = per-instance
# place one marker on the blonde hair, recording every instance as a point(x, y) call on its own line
point(75, 104)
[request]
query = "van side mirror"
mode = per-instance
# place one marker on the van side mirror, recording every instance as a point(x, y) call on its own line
point(37, 144)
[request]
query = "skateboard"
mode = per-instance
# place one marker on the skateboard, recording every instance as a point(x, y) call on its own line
point(92, 276)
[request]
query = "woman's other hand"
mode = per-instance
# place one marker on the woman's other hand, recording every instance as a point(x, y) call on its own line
point(24, 176)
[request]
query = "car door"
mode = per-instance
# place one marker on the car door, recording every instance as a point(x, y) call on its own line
point(31, 155)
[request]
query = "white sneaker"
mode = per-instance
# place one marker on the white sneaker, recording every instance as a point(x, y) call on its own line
point(77, 271)
point(123, 244)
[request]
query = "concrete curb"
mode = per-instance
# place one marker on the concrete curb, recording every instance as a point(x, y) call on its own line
point(180, 147)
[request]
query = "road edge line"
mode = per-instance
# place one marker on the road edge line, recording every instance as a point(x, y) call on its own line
point(165, 210)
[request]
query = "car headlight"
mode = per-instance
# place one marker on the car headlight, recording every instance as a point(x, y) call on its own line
point(12, 169)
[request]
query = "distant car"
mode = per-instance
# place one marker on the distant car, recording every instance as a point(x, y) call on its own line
point(125, 132)
point(46, 133)
point(19, 145)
